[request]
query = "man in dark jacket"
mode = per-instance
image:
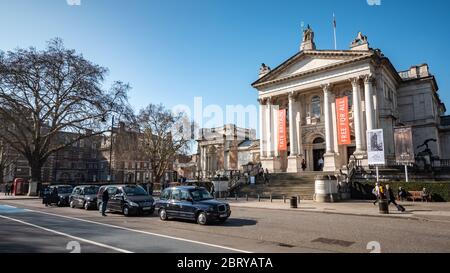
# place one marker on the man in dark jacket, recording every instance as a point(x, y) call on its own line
point(391, 199)
point(105, 199)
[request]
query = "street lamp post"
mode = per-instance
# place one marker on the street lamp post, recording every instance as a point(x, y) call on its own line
point(111, 150)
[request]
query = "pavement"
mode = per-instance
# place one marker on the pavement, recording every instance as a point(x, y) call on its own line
point(414, 210)
point(30, 227)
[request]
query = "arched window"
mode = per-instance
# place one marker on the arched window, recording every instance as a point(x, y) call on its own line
point(315, 107)
point(319, 140)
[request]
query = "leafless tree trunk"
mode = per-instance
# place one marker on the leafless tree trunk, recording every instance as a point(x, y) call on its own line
point(44, 93)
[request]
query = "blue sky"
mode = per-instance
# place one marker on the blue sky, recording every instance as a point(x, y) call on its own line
point(173, 50)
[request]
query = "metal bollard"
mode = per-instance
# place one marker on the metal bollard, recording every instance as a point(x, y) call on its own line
point(298, 199)
point(236, 196)
point(284, 199)
point(271, 199)
point(259, 198)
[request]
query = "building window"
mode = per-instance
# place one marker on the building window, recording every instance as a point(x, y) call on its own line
point(315, 107)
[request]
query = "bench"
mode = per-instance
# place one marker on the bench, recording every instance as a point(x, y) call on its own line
point(417, 195)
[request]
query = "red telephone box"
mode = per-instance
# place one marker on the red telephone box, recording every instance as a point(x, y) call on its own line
point(20, 186)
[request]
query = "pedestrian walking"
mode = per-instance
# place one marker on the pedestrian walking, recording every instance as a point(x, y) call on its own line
point(391, 198)
point(303, 164)
point(7, 189)
point(267, 177)
point(320, 163)
point(376, 192)
point(105, 199)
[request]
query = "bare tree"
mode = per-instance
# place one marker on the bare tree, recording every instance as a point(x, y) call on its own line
point(164, 135)
point(43, 93)
point(6, 159)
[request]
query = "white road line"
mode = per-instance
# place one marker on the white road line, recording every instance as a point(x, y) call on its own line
point(144, 232)
point(67, 235)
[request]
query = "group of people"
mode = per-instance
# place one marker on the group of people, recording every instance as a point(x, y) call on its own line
point(386, 193)
point(8, 189)
point(50, 196)
point(264, 175)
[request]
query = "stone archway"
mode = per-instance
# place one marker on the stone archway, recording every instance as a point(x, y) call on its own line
point(318, 151)
point(315, 148)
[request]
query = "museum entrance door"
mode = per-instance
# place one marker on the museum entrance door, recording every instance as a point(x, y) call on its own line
point(318, 154)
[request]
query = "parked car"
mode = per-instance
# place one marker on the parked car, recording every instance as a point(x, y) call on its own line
point(192, 203)
point(127, 199)
point(64, 192)
point(84, 197)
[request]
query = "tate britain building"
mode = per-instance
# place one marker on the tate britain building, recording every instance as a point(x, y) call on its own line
point(300, 101)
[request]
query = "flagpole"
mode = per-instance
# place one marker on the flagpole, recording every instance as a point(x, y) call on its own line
point(334, 31)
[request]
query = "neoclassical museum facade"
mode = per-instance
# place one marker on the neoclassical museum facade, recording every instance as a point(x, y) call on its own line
point(306, 87)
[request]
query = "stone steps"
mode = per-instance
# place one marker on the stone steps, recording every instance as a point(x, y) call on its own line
point(288, 185)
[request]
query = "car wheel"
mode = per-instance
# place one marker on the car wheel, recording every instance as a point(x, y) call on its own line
point(126, 211)
point(72, 204)
point(163, 215)
point(86, 206)
point(201, 218)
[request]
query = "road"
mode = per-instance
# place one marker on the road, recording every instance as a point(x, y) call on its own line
point(28, 226)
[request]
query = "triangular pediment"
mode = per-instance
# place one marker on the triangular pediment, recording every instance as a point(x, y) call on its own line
point(310, 62)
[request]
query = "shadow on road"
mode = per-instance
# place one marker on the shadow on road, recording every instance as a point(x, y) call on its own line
point(236, 222)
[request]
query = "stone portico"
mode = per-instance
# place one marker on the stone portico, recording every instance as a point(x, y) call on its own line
point(307, 86)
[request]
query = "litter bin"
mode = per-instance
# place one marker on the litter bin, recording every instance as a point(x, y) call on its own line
point(384, 206)
point(294, 202)
point(326, 189)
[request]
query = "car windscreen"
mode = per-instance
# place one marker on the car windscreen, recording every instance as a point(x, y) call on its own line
point(134, 191)
point(65, 189)
point(91, 190)
point(200, 194)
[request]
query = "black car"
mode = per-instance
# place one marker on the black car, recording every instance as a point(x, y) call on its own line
point(84, 197)
point(192, 203)
point(127, 199)
point(64, 192)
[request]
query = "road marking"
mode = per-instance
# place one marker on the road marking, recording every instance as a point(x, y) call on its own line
point(10, 209)
point(143, 232)
point(67, 235)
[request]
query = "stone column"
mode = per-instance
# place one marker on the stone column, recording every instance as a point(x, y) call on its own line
point(203, 158)
point(298, 120)
point(368, 93)
point(329, 157)
point(292, 126)
point(357, 114)
point(328, 122)
point(294, 162)
point(268, 128)
point(262, 132)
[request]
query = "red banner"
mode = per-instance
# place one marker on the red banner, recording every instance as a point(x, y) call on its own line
point(343, 127)
point(282, 141)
